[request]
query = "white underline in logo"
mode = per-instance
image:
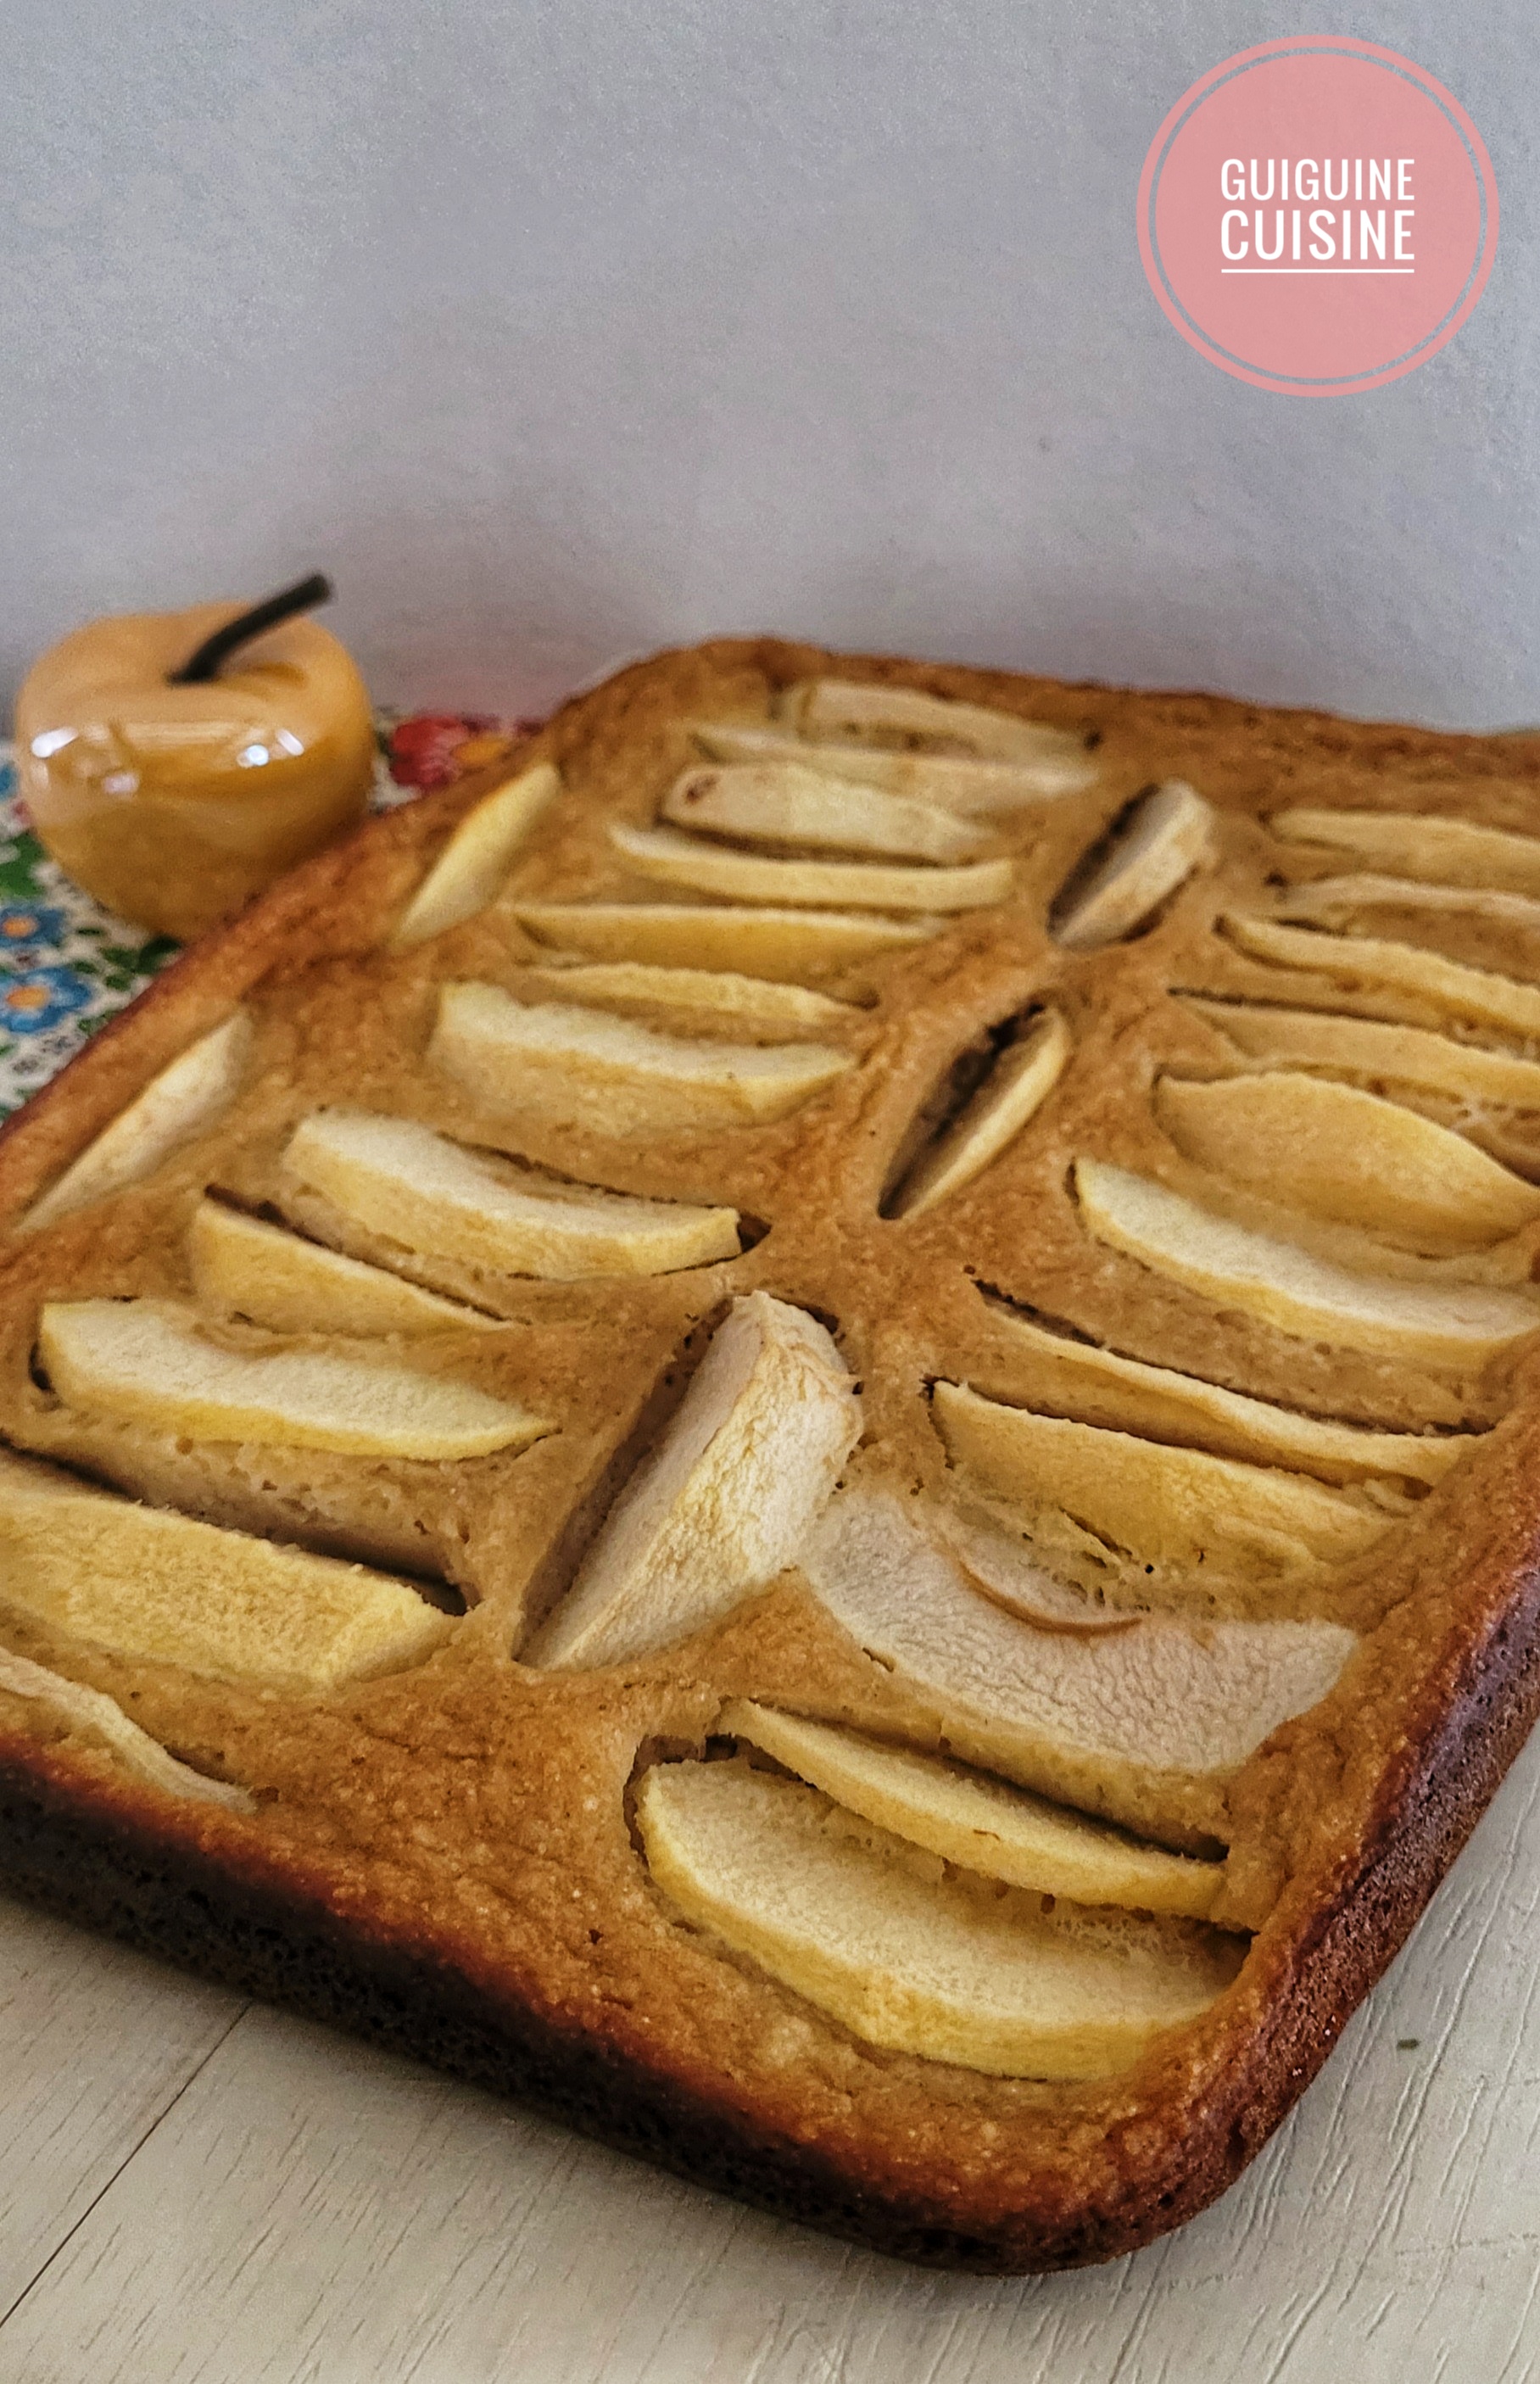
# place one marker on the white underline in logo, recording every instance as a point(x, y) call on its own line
point(1318, 268)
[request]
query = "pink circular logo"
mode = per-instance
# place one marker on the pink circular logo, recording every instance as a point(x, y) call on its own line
point(1317, 215)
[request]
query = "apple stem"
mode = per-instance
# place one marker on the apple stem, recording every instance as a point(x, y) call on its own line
point(203, 664)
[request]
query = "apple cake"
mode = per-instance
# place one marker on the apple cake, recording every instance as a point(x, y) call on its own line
point(810, 1427)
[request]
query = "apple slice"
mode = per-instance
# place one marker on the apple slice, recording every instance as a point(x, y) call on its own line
point(1365, 1046)
point(473, 864)
point(185, 1097)
point(784, 802)
point(973, 789)
point(1159, 1503)
point(676, 860)
point(146, 1584)
point(1002, 1563)
point(719, 1508)
point(855, 710)
point(713, 993)
point(425, 1194)
point(1104, 1388)
point(279, 1280)
point(88, 1709)
point(1157, 848)
point(969, 1818)
point(1337, 1152)
point(1106, 1719)
point(1419, 844)
point(1336, 901)
point(550, 1059)
point(148, 1361)
point(778, 944)
point(902, 1955)
point(1438, 1324)
point(1009, 1097)
point(1367, 963)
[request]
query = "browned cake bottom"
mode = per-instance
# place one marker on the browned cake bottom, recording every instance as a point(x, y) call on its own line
point(262, 1936)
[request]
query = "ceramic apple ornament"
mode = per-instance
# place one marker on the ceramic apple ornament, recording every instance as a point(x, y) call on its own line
point(175, 763)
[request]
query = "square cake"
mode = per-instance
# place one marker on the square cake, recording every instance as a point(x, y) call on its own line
point(810, 1427)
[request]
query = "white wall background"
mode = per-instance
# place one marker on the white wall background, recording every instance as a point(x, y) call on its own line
point(556, 329)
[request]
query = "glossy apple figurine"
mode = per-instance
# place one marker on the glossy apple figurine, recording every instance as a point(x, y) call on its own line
point(174, 764)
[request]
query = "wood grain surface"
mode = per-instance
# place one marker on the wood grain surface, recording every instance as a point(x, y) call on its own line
point(197, 2192)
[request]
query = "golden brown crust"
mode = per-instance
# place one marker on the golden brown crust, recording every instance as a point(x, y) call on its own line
point(442, 1858)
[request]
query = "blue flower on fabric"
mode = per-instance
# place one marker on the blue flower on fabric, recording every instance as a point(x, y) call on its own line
point(29, 925)
point(35, 1000)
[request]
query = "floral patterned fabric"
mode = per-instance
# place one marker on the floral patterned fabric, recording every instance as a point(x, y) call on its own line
point(67, 965)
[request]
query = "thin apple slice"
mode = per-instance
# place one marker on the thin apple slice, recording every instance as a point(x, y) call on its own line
point(859, 709)
point(1101, 1387)
point(1159, 1503)
point(1336, 1151)
point(89, 1710)
point(713, 993)
point(249, 1268)
point(552, 1060)
point(146, 1584)
point(720, 1507)
point(1003, 1564)
point(905, 1957)
point(1336, 901)
point(1368, 1048)
point(786, 803)
point(187, 1096)
point(972, 789)
point(1160, 844)
point(1439, 1325)
point(780, 944)
point(1009, 1098)
point(1369, 965)
point(473, 864)
point(968, 1817)
point(151, 1363)
point(1099, 1718)
point(422, 1193)
point(676, 860)
point(1419, 844)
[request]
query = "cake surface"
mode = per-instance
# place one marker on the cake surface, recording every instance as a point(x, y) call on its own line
point(1005, 1237)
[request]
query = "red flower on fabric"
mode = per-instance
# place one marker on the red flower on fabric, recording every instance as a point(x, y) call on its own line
point(434, 747)
point(422, 751)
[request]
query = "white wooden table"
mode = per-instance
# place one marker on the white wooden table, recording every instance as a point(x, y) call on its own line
point(198, 2191)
